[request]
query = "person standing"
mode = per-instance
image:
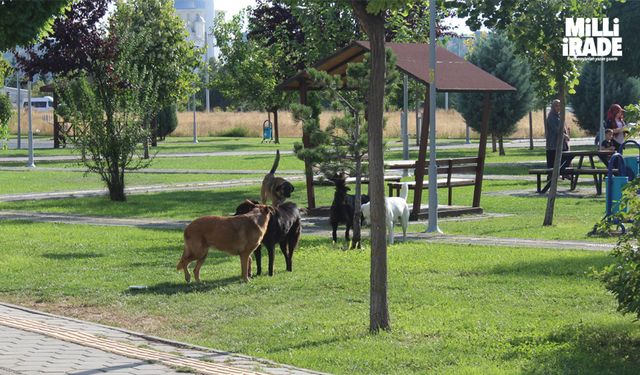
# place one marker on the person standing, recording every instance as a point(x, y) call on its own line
point(551, 127)
point(615, 122)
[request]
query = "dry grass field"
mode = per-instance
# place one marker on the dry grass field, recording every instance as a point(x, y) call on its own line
point(449, 124)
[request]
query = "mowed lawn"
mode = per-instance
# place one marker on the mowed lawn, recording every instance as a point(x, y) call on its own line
point(454, 309)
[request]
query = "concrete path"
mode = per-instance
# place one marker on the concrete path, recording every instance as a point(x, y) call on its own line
point(33, 342)
point(319, 226)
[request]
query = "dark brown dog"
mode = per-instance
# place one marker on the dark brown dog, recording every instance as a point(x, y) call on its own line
point(236, 235)
point(284, 229)
point(275, 188)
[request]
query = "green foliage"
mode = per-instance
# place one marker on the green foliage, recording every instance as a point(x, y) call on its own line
point(618, 88)
point(247, 73)
point(622, 277)
point(24, 22)
point(495, 54)
point(337, 148)
point(6, 110)
point(107, 110)
point(536, 27)
point(237, 132)
point(628, 13)
point(161, 46)
point(167, 120)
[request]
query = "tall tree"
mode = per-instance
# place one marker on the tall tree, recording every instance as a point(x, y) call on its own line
point(163, 50)
point(371, 18)
point(76, 41)
point(627, 12)
point(495, 55)
point(536, 27)
point(618, 88)
point(249, 62)
point(107, 108)
point(24, 22)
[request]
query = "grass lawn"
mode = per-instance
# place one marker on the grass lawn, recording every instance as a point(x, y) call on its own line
point(574, 217)
point(454, 309)
point(39, 180)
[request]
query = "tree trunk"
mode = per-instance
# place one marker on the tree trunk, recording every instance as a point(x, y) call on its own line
point(501, 146)
point(116, 186)
point(306, 142)
point(276, 135)
point(154, 132)
point(56, 124)
point(494, 146)
point(145, 144)
point(373, 25)
point(357, 233)
point(531, 130)
point(551, 199)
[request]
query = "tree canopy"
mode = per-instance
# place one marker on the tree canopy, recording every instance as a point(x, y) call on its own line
point(495, 54)
point(24, 22)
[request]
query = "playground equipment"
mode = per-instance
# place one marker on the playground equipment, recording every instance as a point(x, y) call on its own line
point(620, 170)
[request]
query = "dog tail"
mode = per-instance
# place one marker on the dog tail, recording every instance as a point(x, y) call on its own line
point(275, 162)
point(404, 192)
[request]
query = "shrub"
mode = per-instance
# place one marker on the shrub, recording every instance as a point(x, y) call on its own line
point(235, 132)
point(622, 277)
point(5, 115)
point(167, 121)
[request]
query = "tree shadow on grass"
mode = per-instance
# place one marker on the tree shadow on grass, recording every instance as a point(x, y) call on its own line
point(172, 288)
point(557, 266)
point(580, 349)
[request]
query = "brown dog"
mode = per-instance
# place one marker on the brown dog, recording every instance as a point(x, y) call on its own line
point(275, 188)
point(236, 235)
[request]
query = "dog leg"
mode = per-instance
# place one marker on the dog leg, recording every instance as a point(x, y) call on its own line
point(196, 270)
point(272, 257)
point(334, 229)
point(286, 251)
point(244, 265)
point(346, 233)
point(390, 232)
point(187, 276)
point(258, 254)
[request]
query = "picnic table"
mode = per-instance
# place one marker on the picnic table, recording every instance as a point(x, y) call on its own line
point(575, 172)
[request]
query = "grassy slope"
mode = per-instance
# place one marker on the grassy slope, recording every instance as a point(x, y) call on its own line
point(454, 309)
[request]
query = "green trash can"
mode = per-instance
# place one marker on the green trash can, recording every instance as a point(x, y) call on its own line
point(615, 195)
point(632, 163)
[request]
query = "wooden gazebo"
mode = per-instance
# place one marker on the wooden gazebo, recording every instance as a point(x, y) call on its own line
point(453, 74)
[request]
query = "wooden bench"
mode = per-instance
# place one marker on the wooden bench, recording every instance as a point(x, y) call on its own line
point(352, 180)
point(447, 167)
point(575, 173)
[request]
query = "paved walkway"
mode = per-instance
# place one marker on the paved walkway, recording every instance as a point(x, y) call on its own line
point(318, 226)
point(32, 342)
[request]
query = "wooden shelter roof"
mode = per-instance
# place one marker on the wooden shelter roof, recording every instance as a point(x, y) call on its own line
point(453, 73)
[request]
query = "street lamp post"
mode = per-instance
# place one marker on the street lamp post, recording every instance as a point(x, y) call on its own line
point(199, 35)
point(19, 105)
point(30, 163)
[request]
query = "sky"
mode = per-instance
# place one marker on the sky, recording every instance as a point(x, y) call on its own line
point(232, 7)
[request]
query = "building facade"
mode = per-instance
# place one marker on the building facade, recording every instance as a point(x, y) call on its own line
point(190, 11)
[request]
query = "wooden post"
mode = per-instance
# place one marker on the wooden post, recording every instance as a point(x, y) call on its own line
point(306, 142)
point(421, 163)
point(482, 148)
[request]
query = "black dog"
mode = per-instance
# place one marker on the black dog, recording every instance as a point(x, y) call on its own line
point(284, 228)
point(343, 207)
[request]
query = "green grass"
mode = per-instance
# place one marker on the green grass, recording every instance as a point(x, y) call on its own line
point(454, 309)
point(38, 181)
point(574, 217)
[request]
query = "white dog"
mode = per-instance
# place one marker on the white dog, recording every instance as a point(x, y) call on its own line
point(396, 208)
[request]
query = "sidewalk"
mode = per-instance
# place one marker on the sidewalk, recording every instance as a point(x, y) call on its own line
point(32, 342)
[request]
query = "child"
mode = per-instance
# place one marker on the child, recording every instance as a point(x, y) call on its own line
point(609, 144)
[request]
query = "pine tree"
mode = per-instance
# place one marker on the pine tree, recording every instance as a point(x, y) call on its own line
point(495, 54)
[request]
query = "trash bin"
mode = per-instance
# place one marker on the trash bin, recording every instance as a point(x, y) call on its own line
point(631, 162)
point(614, 193)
